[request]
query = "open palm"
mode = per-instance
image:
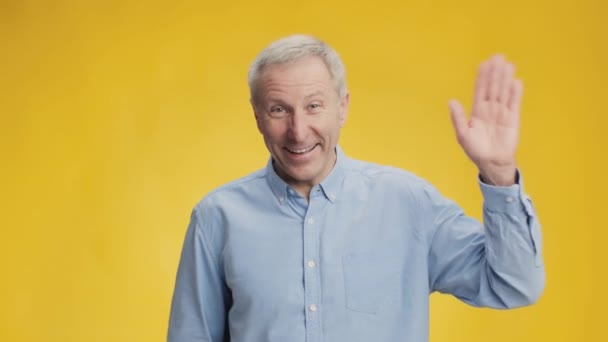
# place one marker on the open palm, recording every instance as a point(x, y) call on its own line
point(490, 136)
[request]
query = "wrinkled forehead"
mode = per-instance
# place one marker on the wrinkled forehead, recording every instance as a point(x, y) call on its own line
point(308, 76)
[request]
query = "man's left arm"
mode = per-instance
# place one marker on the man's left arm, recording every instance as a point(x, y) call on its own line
point(509, 248)
point(497, 264)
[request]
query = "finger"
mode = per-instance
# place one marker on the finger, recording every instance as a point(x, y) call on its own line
point(480, 82)
point(459, 119)
point(497, 63)
point(515, 94)
point(505, 83)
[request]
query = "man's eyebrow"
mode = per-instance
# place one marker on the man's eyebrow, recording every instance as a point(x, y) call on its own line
point(275, 100)
point(316, 93)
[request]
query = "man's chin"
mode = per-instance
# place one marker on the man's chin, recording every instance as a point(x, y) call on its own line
point(296, 175)
point(300, 177)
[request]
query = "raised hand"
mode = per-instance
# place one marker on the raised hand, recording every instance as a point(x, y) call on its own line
point(490, 136)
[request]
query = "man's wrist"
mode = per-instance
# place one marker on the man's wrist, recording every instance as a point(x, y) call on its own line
point(499, 176)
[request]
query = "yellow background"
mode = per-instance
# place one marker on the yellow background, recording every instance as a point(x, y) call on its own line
point(118, 116)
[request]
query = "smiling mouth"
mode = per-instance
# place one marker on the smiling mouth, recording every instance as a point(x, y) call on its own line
point(303, 150)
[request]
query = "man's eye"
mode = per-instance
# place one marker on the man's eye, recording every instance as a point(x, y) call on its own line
point(277, 109)
point(314, 106)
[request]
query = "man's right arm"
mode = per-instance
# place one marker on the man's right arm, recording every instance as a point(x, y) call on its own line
point(201, 297)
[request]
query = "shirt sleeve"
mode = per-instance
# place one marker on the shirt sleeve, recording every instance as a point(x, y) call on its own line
point(497, 264)
point(201, 297)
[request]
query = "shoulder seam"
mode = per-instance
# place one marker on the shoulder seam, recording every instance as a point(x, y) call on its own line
point(233, 184)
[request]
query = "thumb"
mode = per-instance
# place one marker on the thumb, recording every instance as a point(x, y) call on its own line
point(459, 119)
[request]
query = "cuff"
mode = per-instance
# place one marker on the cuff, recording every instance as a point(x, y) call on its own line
point(508, 199)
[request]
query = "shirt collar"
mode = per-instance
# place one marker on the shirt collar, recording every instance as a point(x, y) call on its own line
point(331, 185)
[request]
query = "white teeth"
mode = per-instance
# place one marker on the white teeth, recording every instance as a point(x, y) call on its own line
point(304, 150)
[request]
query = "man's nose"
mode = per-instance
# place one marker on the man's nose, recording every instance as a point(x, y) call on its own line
point(297, 126)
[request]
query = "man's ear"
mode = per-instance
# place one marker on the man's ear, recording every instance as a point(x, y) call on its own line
point(343, 110)
point(256, 115)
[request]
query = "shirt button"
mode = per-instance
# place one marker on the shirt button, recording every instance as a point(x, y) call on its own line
point(311, 263)
point(509, 199)
point(311, 221)
point(312, 308)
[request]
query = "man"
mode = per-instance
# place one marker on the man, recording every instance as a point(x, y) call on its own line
point(320, 247)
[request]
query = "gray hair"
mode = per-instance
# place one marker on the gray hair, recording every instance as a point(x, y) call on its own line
point(292, 48)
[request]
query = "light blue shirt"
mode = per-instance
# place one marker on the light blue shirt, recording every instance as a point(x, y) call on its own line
point(356, 263)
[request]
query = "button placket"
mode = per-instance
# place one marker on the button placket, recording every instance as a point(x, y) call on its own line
point(311, 231)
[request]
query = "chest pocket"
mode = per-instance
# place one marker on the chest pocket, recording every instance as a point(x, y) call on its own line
point(372, 282)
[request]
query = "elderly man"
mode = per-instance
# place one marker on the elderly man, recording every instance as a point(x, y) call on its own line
point(320, 247)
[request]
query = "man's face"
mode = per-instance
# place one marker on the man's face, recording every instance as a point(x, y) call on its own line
point(299, 113)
